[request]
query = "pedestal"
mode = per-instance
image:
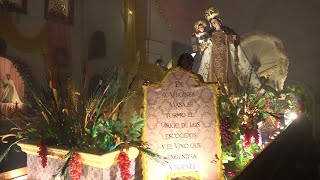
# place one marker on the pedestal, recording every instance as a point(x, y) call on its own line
point(94, 166)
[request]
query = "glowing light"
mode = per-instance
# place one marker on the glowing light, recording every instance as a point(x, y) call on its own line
point(16, 174)
point(130, 12)
point(289, 117)
point(21, 178)
point(293, 115)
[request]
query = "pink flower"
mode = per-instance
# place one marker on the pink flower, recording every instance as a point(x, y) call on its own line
point(231, 174)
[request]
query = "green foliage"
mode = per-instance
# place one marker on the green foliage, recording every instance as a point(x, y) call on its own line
point(134, 132)
point(64, 117)
point(261, 103)
point(245, 111)
point(227, 156)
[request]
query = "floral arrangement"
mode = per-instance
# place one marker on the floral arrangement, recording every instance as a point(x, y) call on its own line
point(64, 117)
point(243, 116)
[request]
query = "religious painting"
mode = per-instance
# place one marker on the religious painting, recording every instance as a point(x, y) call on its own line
point(59, 10)
point(12, 90)
point(19, 6)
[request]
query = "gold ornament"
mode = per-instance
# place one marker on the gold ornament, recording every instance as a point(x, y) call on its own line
point(199, 23)
point(211, 13)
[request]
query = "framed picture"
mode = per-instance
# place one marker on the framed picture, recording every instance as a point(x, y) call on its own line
point(59, 10)
point(19, 6)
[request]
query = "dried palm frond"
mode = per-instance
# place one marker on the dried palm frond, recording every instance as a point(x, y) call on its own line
point(73, 93)
point(47, 65)
point(25, 74)
point(115, 109)
point(54, 93)
point(89, 105)
point(3, 137)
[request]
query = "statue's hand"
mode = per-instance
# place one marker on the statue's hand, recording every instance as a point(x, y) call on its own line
point(232, 38)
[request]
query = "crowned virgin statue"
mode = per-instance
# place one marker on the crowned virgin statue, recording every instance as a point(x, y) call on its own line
point(223, 60)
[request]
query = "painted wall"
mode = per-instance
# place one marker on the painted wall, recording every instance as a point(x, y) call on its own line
point(29, 25)
point(104, 16)
point(158, 36)
point(88, 18)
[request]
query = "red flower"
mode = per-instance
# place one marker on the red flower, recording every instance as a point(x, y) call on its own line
point(43, 153)
point(75, 166)
point(277, 123)
point(226, 135)
point(124, 165)
point(231, 174)
point(247, 138)
point(268, 102)
point(300, 104)
point(256, 136)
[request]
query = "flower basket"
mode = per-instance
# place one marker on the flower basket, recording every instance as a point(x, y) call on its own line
point(95, 166)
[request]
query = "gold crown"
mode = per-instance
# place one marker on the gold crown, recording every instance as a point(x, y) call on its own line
point(211, 13)
point(196, 25)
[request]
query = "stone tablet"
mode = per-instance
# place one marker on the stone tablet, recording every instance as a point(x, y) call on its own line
point(182, 125)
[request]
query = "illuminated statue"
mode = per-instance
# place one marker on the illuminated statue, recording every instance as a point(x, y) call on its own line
point(224, 60)
point(9, 93)
point(200, 41)
point(202, 38)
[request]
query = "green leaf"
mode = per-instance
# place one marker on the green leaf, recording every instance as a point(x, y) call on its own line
point(100, 128)
point(134, 135)
point(229, 158)
point(31, 130)
point(117, 126)
point(94, 133)
point(5, 153)
point(136, 119)
point(261, 102)
point(138, 125)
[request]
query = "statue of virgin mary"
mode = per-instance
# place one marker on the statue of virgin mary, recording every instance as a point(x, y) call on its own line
point(224, 60)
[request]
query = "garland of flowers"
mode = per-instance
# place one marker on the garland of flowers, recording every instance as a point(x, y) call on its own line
point(43, 153)
point(75, 166)
point(243, 114)
point(124, 165)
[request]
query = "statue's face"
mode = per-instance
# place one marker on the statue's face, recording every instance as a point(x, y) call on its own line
point(8, 76)
point(215, 24)
point(200, 28)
